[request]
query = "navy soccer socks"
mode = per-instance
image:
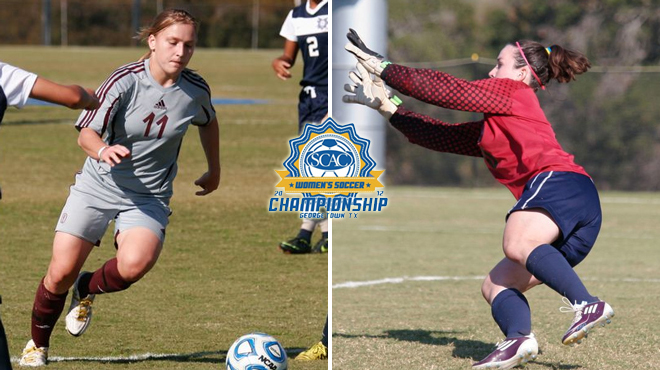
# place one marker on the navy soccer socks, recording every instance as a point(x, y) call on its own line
point(306, 235)
point(548, 265)
point(324, 339)
point(511, 312)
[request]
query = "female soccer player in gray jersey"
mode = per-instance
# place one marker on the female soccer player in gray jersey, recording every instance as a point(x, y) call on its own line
point(132, 141)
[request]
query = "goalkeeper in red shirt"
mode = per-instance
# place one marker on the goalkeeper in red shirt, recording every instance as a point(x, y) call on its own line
point(556, 219)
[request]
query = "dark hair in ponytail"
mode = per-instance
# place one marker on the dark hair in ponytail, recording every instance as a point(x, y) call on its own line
point(550, 63)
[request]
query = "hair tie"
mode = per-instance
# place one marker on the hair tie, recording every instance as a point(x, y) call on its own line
point(548, 50)
point(530, 67)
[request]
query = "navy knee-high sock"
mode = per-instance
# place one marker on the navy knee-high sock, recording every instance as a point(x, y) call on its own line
point(548, 265)
point(5, 359)
point(305, 234)
point(511, 312)
point(324, 338)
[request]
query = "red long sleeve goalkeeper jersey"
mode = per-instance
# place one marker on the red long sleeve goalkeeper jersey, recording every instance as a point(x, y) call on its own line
point(514, 138)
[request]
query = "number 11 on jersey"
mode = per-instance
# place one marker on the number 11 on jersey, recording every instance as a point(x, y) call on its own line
point(150, 120)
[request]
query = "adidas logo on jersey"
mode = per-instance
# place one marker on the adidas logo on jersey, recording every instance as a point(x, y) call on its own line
point(160, 105)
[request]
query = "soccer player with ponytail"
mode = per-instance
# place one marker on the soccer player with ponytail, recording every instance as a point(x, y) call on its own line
point(554, 223)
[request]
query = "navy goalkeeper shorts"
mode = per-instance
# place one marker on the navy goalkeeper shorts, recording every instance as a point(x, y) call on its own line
point(572, 201)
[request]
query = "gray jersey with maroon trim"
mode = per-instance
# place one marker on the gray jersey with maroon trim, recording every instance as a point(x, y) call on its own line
point(148, 119)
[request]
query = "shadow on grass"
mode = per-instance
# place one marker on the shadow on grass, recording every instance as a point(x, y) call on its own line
point(463, 348)
point(210, 357)
point(475, 350)
point(557, 367)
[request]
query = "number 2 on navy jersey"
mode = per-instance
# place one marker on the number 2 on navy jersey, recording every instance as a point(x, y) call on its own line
point(313, 46)
point(150, 120)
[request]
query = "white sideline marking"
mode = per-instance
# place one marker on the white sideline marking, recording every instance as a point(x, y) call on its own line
point(613, 200)
point(132, 358)
point(146, 356)
point(427, 230)
point(484, 231)
point(399, 280)
point(625, 280)
point(506, 196)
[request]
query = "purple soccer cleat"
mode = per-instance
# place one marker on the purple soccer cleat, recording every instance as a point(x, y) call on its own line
point(587, 316)
point(510, 353)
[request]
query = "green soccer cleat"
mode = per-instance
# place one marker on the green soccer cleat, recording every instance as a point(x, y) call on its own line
point(321, 246)
point(296, 246)
point(316, 352)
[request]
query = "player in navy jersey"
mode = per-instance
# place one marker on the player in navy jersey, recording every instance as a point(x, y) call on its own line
point(132, 141)
point(557, 216)
point(306, 29)
point(16, 86)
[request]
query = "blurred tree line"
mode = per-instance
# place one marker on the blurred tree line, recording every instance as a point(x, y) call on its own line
point(608, 118)
point(226, 23)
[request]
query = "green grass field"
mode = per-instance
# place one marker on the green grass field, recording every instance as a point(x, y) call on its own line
point(220, 275)
point(439, 243)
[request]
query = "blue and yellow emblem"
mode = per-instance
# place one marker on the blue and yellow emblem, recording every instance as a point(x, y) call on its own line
point(330, 166)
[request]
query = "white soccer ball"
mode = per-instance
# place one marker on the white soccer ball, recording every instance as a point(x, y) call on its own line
point(256, 351)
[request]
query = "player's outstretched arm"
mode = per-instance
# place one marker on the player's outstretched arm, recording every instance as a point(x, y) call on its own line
point(210, 137)
point(71, 96)
point(372, 93)
point(371, 60)
point(283, 63)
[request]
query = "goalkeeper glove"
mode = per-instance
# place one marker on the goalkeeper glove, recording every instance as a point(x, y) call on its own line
point(374, 94)
point(371, 60)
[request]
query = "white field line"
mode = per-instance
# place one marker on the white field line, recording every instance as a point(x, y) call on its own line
point(612, 200)
point(399, 280)
point(420, 230)
point(403, 279)
point(403, 229)
point(133, 358)
point(146, 357)
point(506, 196)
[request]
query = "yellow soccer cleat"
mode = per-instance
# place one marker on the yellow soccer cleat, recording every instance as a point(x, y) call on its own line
point(316, 352)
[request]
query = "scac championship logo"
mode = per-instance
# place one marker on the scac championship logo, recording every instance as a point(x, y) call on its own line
point(329, 155)
point(329, 169)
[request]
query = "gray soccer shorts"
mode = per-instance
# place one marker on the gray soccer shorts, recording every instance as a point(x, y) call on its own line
point(91, 207)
